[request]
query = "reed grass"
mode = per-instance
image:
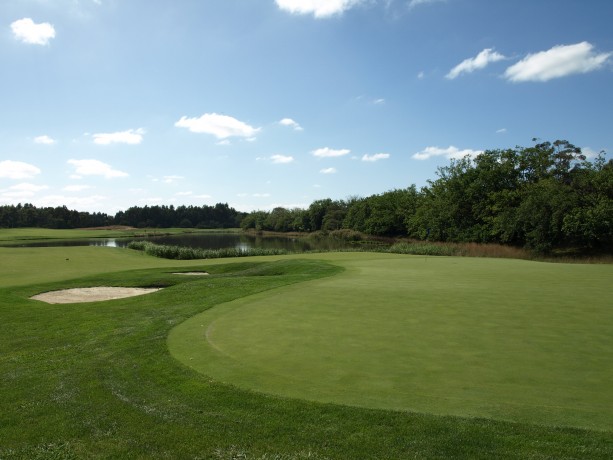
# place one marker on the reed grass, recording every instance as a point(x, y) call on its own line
point(430, 248)
point(186, 253)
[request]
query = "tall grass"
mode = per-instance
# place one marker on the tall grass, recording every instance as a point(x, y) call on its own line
point(186, 253)
point(424, 248)
point(429, 248)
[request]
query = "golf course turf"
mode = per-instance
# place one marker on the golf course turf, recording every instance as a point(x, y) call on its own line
point(97, 380)
point(493, 338)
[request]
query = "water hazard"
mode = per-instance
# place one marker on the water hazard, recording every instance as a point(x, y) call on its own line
point(212, 241)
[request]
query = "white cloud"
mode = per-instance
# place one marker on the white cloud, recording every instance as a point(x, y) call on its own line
point(480, 61)
point(376, 157)
point(96, 168)
point(23, 190)
point(91, 203)
point(131, 136)
point(28, 31)
point(281, 159)
point(414, 3)
point(421, 75)
point(449, 152)
point(183, 193)
point(327, 152)
point(26, 187)
point(220, 126)
point(501, 130)
point(318, 8)
point(291, 123)
point(75, 188)
point(172, 179)
point(17, 170)
point(379, 101)
point(44, 140)
point(590, 153)
point(261, 195)
point(557, 62)
point(328, 171)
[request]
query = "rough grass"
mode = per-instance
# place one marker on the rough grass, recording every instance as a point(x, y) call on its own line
point(431, 248)
point(97, 380)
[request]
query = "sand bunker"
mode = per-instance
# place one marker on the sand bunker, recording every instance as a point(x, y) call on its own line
point(191, 273)
point(92, 294)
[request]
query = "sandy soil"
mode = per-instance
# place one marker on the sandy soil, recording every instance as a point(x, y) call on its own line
point(92, 294)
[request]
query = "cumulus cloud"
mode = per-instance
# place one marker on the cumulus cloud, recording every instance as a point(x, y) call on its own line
point(328, 171)
point(29, 32)
point(291, 123)
point(318, 8)
point(449, 152)
point(91, 203)
point(480, 61)
point(376, 157)
point(46, 140)
point(17, 170)
point(326, 152)
point(220, 126)
point(590, 153)
point(95, 168)
point(23, 190)
point(131, 136)
point(281, 159)
point(559, 61)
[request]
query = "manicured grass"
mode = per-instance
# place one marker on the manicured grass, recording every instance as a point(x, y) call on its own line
point(97, 380)
point(496, 338)
point(23, 266)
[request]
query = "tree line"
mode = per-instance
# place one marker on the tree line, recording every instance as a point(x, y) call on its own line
point(542, 197)
point(27, 215)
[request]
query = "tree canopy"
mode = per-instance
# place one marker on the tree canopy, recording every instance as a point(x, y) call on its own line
point(542, 197)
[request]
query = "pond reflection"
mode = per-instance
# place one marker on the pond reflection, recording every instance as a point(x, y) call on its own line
point(214, 241)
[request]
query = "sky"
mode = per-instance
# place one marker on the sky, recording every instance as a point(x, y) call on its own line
point(107, 104)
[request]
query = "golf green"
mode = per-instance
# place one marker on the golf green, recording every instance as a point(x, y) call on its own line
point(495, 338)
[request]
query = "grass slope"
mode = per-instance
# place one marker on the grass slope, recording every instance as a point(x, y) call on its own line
point(97, 381)
point(495, 338)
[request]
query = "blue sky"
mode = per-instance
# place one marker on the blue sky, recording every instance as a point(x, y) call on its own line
point(107, 104)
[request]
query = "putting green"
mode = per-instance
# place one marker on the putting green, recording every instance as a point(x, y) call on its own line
point(496, 338)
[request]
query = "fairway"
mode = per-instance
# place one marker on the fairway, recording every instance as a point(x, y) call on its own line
point(495, 338)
